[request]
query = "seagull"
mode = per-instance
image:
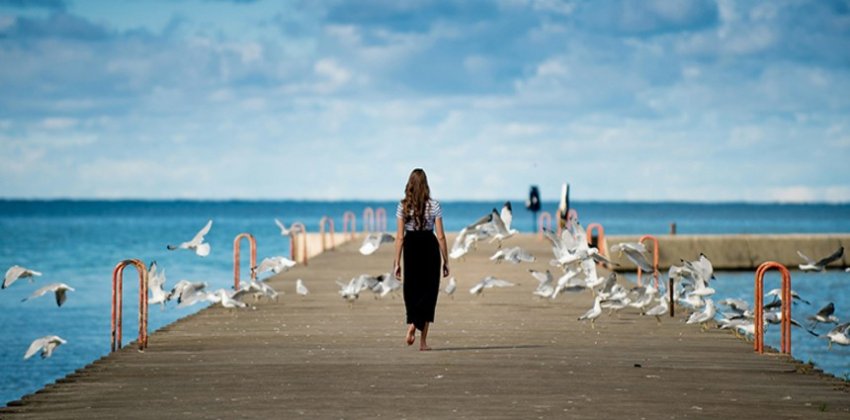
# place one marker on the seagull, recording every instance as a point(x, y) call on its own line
point(593, 313)
point(637, 253)
point(838, 335)
point(703, 317)
point(58, 288)
point(16, 272)
point(451, 287)
point(545, 287)
point(373, 241)
point(502, 228)
point(197, 243)
point(662, 308)
point(44, 344)
point(257, 288)
point(819, 265)
point(187, 293)
point(825, 315)
point(300, 288)
point(777, 293)
point(226, 300)
point(275, 265)
point(283, 230)
point(487, 283)
point(386, 284)
point(156, 281)
point(513, 255)
point(702, 269)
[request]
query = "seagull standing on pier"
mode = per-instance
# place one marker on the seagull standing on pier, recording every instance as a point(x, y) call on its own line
point(300, 288)
point(197, 243)
point(16, 272)
point(593, 313)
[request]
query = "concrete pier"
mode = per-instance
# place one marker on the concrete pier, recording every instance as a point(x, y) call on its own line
point(503, 354)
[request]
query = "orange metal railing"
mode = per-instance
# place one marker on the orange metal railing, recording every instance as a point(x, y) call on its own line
point(654, 259)
point(346, 217)
point(368, 220)
point(381, 220)
point(330, 222)
point(544, 221)
point(298, 230)
point(118, 303)
point(785, 323)
point(600, 237)
point(252, 243)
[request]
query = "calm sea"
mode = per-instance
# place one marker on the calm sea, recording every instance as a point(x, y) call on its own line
point(79, 242)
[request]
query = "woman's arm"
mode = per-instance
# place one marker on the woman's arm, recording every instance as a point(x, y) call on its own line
point(441, 239)
point(399, 239)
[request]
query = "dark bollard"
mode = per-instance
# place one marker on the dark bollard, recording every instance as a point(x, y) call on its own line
point(673, 228)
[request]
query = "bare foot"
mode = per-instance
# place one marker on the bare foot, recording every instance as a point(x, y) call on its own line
point(424, 348)
point(411, 335)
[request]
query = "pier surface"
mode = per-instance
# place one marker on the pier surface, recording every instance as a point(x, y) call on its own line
point(503, 354)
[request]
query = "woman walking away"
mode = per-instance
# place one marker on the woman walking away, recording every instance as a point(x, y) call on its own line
point(419, 218)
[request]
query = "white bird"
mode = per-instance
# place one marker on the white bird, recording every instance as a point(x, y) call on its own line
point(593, 312)
point(701, 268)
point(777, 294)
point(488, 283)
point(275, 265)
point(197, 243)
point(284, 231)
point(703, 317)
point(819, 265)
point(44, 344)
point(188, 293)
point(662, 308)
point(545, 286)
point(58, 289)
point(258, 289)
point(387, 283)
point(637, 253)
point(513, 255)
point(838, 335)
point(225, 299)
point(451, 287)
point(16, 272)
point(300, 288)
point(373, 241)
point(156, 282)
point(825, 315)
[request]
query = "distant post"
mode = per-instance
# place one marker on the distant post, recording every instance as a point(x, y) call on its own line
point(673, 228)
point(533, 205)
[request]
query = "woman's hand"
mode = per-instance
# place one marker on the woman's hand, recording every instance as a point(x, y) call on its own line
point(397, 271)
point(445, 269)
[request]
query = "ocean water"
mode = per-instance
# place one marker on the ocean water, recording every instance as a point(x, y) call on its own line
point(79, 243)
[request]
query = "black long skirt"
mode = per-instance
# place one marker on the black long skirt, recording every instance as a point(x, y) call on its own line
point(421, 276)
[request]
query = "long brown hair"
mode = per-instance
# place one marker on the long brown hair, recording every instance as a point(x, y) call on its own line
point(416, 197)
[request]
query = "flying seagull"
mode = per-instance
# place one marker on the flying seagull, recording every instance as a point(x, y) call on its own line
point(16, 272)
point(819, 265)
point(58, 288)
point(197, 243)
point(44, 344)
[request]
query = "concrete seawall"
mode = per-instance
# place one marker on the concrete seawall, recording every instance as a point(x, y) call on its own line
point(739, 252)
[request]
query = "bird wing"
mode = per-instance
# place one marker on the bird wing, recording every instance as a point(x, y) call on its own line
point(639, 259)
point(832, 257)
point(805, 258)
point(507, 215)
point(283, 230)
point(479, 222)
point(36, 345)
point(827, 310)
point(199, 237)
point(60, 296)
point(40, 292)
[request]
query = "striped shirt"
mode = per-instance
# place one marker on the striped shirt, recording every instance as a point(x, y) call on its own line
point(432, 212)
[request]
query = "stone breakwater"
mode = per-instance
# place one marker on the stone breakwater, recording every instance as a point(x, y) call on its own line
point(739, 252)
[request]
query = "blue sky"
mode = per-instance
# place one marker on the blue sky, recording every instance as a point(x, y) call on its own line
point(626, 100)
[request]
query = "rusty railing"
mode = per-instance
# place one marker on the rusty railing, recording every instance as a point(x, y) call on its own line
point(118, 303)
point(785, 323)
point(252, 243)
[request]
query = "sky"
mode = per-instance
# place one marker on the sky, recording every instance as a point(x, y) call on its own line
point(644, 100)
